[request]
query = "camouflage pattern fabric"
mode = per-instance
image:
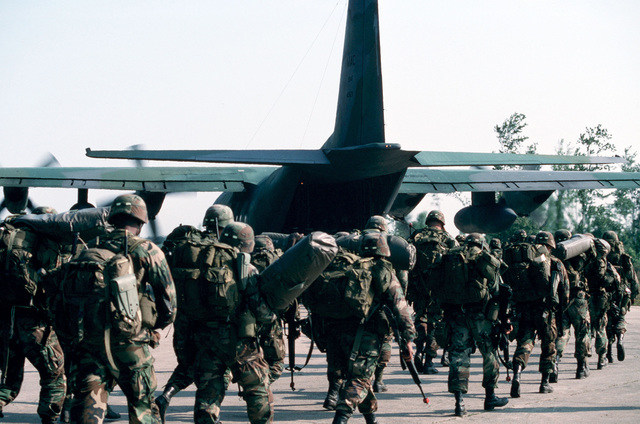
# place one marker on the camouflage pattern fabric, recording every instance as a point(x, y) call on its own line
point(271, 337)
point(576, 315)
point(466, 327)
point(184, 346)
point(598, 307)
point(33, 340)
point(536, 319)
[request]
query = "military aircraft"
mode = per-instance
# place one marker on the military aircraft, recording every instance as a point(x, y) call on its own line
point(355, 174)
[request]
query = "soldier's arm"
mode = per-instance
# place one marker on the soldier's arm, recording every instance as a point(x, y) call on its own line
point(397, 301)
point(161, 282)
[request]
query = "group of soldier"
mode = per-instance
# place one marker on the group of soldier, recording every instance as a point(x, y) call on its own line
point(460, 296)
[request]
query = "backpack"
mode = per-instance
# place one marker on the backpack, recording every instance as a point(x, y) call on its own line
point(204, 272)
point(462, 275)
point(344, 289)
point(529, 272)
point(23, 253)
point(94, 293)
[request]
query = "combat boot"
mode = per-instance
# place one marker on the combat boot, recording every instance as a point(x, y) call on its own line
point(545, 387)
point(331, 400)
point(515, 383)
point(164, 399)
point(378, 383)
point(417, 361)
point(341, 417)
point(428, 366)
point(620, 347)
point(460, 410)
point(370, 418)
point(553, 377)
point(602, 361)
point(583, 369)
point(609, 352)
point(492, 401)
point(111, 415)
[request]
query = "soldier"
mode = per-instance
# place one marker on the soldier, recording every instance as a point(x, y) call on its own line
point(576, 314)
point(225, 329)
point(25, 331)
point(538, 298)
point(622, 297)
point(128, 361)
point(602, 279)
point(431, 241)
point(472, 280)
point(353, 345)
point(215, 219)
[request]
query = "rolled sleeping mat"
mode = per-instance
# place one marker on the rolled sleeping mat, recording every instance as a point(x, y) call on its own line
point(283, 241)
point(294, 272)
point(572, 247)
point(89, 223)
point(403, 253)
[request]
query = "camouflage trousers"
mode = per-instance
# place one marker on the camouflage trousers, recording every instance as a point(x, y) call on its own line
point(94, 378)
point(535, 318)
point(184, 346)
point(425, 326)
point(31, 339)
point(598, 307)
point(220, 349)
point(466, 327)
point(357, 375)
point(271, 339)
point(576, 315)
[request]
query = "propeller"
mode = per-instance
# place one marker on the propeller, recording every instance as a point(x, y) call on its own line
point(16, 199)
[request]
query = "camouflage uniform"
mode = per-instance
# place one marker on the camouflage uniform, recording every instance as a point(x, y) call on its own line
point(135, 374)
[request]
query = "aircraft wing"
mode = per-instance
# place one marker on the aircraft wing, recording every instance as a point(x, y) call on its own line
point(426, 158)
point(160, 179)
point(422, 180)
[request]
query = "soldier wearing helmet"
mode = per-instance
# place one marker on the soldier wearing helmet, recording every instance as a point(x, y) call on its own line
point(92, 373)
point(377, 222)
point(431, 241)
point(216, 218)
point(562, 235)
point(240, 235)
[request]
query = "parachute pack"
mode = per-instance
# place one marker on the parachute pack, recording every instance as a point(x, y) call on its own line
point(203, 270)
point(529, 272)
point(461, 275)
point(344, 289)
point(94, 293)
point(23, 253)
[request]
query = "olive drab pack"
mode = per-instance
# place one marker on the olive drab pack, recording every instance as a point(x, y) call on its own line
point(23, 256)
point(429, 248)
point(344, 289)
point(529, 272)
point(96, 294)
point(204, 272)
point(462, 275)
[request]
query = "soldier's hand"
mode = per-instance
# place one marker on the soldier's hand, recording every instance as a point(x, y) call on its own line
point(155, 342)
point(407, 352)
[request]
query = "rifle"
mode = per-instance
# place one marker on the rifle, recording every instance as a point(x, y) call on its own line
point(503, 326)
point(293, 332)
point(403, 351)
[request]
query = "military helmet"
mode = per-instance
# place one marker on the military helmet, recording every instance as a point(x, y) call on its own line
point(495, 243)
point(240, 235)
point(435, 215)
point(264, 242)
point(562, 235)
point(610, 236)
point(519, 236)
point(474, 239)
point(220, 215)
point(44, 210)
point(129, 204)
point(460, 239)
point(376, 222)
point(602, 247)
point(546, 238)
point(374, 244)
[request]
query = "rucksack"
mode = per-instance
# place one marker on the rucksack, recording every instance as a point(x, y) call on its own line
point(344, 289)
point(529, 272)
point(462, 274)
point(94, 293)
point(204, 272)
point(23, 256)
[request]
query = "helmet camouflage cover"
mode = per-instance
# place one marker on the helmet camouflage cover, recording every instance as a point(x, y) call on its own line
point(474, 239)
point(240, 235)
point(562, 235)
point(610, 236)
point(374, 244)
point(129, 204)
point(220, 215)
point(435, 215)
point(545, 237)
point(376, 222)
point(264, 243)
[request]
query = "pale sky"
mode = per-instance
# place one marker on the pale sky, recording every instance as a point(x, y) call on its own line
point(264, 74)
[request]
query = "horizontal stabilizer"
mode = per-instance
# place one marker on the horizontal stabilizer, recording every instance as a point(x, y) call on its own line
point(504, 159)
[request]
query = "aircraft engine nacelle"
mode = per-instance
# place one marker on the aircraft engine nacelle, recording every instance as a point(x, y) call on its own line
point(16, 199)
point(525, 202)
point(484, 215)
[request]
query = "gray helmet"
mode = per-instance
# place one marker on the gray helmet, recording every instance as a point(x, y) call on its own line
point(129, 204)
point(240, 235)
point(220, 215)
point(610, 236)
point(44, 210)
point(435, 215)
point(374, 244)
point(602, 247)
point(264, 243)
point(546, 238)
point(474, 239)
point(495, 243)
point(376, 222)
point(519, 236)
point(562, 235)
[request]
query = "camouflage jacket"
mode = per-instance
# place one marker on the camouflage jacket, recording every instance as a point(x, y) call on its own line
point(389, 291)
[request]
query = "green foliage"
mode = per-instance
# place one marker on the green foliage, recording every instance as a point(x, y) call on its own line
point(511, 137)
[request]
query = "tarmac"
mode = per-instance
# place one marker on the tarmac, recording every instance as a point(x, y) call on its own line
point(610, 395)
